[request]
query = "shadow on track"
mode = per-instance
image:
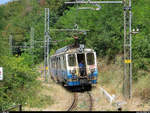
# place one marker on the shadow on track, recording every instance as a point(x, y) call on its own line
point(78, 88)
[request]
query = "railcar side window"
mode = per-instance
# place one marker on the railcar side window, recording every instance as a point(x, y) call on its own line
point(55, 65)
point(72, 60)
point(64, 62)
point(59, 63)
point(90, 59)
point(52, 62)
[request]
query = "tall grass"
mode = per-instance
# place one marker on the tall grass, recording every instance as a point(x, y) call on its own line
point(111, 78)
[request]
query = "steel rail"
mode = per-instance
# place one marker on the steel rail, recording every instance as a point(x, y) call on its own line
point(74, 103)
point(91, 101)
point(19, 106)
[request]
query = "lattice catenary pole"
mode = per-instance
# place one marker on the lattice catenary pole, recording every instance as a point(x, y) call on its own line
point(46, 44)
point(127, 84)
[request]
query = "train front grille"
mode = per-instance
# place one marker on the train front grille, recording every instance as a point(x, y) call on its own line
point(83, 81)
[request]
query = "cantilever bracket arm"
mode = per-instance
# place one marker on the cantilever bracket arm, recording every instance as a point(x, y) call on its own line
point(95, 2)
point(69, 30)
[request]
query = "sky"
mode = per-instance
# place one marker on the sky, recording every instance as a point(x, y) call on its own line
point(4, 1)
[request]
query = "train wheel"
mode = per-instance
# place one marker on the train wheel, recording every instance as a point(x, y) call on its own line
point(52, 78)
point(57, 81)
point(63, 83)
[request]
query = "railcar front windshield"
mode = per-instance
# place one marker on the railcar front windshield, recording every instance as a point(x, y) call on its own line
point(71, 60)
point(90, 58)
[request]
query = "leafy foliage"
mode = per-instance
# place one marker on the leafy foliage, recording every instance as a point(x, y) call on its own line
point(18, 77)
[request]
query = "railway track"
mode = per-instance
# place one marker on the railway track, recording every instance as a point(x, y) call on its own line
point(76, 101)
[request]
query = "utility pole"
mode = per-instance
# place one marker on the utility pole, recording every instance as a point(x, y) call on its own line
point(10, 44)
point(32, 42)
point(48, 50)
point(46, 44)
point(127, 82)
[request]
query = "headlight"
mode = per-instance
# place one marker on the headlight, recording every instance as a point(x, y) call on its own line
point(92, 70)
point(72, 72)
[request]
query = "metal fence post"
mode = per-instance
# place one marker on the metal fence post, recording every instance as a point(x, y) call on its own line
point(20, 107)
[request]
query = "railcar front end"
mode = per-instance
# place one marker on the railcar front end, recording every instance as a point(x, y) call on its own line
point(64, 67)
point(86, 75)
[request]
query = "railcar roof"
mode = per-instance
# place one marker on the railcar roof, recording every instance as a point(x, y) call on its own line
point(74, 50)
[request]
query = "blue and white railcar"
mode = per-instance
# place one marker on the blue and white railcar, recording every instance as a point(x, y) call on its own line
point(64, 66)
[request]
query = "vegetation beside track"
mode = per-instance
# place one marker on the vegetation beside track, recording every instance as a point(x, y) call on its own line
point(111, 79)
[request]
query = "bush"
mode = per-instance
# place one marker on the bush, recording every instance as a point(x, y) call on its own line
point(18, 77)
